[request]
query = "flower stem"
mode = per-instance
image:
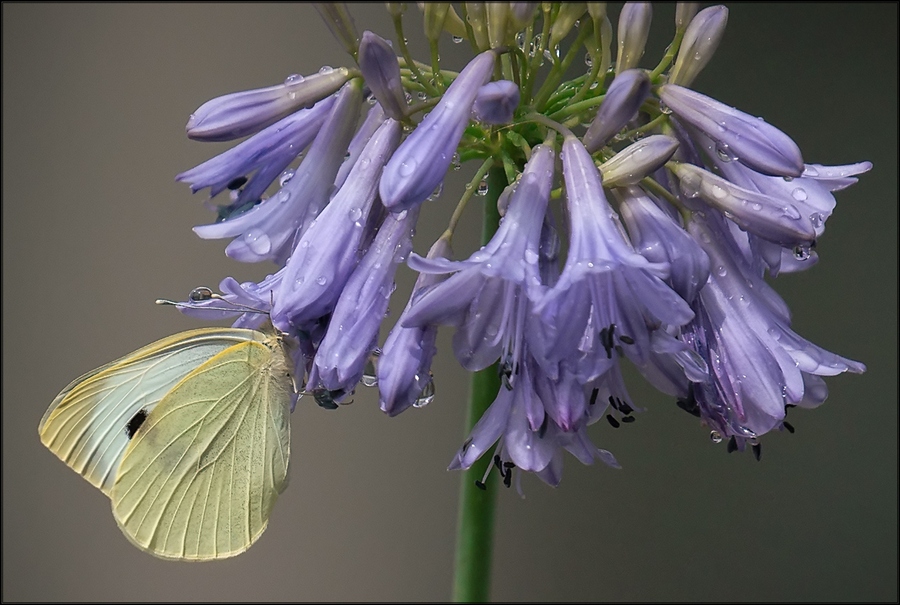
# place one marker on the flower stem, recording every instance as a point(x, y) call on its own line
point(475, 523)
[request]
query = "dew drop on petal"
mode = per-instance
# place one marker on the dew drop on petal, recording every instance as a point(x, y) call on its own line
point(791, 212)
point(801, 252)
point(531, 257)
point(370, 372)
point(293, 79)
point(321, 280)
point(799, 194)
point(721, 271)
point(258, 242)
point(715, 436)
point(285, 177)
point(200, 294)
point(408, 167)
point(817, 219)
point(355, 214)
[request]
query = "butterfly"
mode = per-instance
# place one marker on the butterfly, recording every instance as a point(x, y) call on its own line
point(188, 436)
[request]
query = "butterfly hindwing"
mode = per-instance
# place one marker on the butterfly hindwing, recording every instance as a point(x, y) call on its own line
point(89, 424)
point(200, 477)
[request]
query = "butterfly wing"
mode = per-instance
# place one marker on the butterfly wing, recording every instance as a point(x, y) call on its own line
point(88, 424)
point(201, 475)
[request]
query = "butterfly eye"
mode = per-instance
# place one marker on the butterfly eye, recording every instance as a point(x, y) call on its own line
point(135, 423)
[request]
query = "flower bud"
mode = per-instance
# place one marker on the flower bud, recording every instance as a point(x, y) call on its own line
point(634, 26)
point(496, 102)
point(700, 42)
point(637, 160)
point(381, 71)
point(620, 105)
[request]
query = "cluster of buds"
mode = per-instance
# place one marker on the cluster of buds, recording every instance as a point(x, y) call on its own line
point(677, 208)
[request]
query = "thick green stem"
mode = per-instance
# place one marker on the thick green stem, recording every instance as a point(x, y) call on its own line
point(475, 523)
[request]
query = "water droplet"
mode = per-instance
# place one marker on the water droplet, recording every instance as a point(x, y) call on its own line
point(588, 61)
point(531, 257)
point(721, 271)
point(285, 177)
point(482, 188)
point(283, 196)
point(355, 214)
point(293, 79)
point(427, 394)
point(408, 167)
point(437, 192)
point(401, 215)
point(817, 219)
point(810, 171)
point(200, 294)
point(326, 69)
point(370, 372)
point(788, 179)
point(724, 152)
point(690, 186)
point(258, 242)
point(802, 252)
point(321, 280)
point(697, 56)
point(799, 194)
point(757, 206)
point(791, 212)
point(456, 39)
point(718, 192)
point(715, 436)
point(421, 95)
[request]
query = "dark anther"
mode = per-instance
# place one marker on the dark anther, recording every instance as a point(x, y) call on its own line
point(732, 445)
point(606, 339)
point(480, 485)
point(757, 451)
point(593, 398)
point(466, 444)
point(237, 183)
point(508, 464)
point(627, 418)
point(626, 339)
point(135, 423)
point(689, 404)
point(498, 463)
point(612, 421)
point(507, 478)
point(612, 402)
point(789, 427)
point(624, 407)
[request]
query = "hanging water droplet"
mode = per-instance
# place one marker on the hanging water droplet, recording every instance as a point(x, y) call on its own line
point(421, 95)
point(427, 394)
point(817, 219)
point(455, 161)
point(355, 214)
point(370, 372)
point(456, 39)
point(715, 436)
point(588, 60)
point(663, 108)
point(482, 188)
point(799, 194)
point(437, 192)
point(802, 252)
point(258, 242)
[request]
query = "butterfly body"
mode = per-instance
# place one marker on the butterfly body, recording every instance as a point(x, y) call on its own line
point(188, 436)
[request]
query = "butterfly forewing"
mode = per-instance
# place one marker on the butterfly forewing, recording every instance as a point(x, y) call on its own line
point(89, 424)
point(200, 477)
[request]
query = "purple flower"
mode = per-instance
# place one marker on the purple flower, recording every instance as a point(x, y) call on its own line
point(496, 102)
point(749, 140)
point(329, 249)
point(381, 71)
point(638, 160)
point(241, 113)
point(757, 364)
point(422, 160)
point(353, 329)
point(267, 231)
point(486, 297)
point(606, 289)
point(775, 220)
point(404, 368)
point(268, 152)
point(699, 44)
point(634, 27)
point(620, 105)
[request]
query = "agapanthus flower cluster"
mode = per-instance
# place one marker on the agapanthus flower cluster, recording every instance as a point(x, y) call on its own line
point(676, 208)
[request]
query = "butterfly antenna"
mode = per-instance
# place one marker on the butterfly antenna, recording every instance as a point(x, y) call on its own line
point(202, 294)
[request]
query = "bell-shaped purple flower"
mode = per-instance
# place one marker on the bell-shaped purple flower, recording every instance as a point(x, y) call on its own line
point(496, 102)
point(422, 160)
point(775, 220)
point(749, 140)
point(606, 289)
point(658, 238)
point(634, 27)
point(638, 160)
point(329, 249)
point(267, 231)
point(241, 113)
point(620, 105)
point(699, 44)
point(266, 154)
point(381, 70)
point(353, 329)
point(756, 362)
point(486, 297)
point(404, 368)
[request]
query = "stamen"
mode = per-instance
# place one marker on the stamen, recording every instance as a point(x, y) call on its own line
point(789, 427)
point(237, 183)
point(612, 421)
point(628, 419)
point(626, 339)
point(732, 445)
point(594, 394)
point(624, 407)
point(612, 403)
point(757, 451)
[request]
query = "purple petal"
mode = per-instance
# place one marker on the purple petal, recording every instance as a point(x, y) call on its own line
point(620, 105)
point(496, 102)
point(699, 44)
point(638, 160)
point(381, 70)
point(634, 26)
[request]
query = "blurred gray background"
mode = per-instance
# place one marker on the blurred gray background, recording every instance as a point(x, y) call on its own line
point(95, 228)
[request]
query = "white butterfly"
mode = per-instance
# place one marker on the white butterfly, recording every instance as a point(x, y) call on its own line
point(189, 437)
